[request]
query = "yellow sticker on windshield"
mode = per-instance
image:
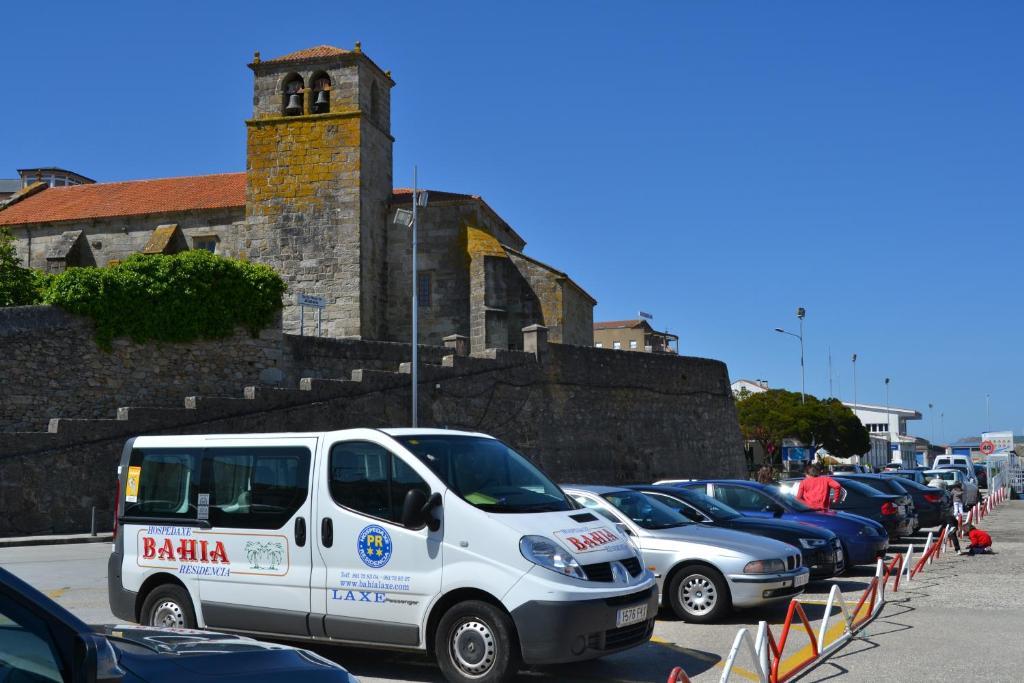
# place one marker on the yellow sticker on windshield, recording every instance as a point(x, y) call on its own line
point(481, 499)
point(131, 486)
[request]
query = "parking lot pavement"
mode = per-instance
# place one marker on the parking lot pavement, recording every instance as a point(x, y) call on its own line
point(76, 577)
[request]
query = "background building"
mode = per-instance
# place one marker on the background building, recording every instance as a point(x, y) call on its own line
point(633, 335)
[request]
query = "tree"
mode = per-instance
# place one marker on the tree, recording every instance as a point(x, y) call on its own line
point(18, 286)
point(770, 416)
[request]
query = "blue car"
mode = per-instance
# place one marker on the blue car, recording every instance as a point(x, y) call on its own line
point(864, 540)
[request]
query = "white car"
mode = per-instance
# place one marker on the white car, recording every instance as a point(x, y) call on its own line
point(945, 478)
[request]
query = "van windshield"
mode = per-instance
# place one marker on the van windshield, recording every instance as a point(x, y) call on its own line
point(487, 474)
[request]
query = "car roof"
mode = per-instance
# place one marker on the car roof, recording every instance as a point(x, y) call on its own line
point(598, 489)
point(355, 433)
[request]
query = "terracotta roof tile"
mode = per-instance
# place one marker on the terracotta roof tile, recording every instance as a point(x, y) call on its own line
point(617, 324)
point(318, 52)
point(130, 198)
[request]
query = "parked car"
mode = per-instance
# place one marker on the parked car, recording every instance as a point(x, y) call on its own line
point(703, 571)
point(891, 511)
point(821, 549)
point(425, 540)
point(946, 477)
point(856, 469)
point(41, 641)
point(888, 485)
point(946, 459)
point(864, 540)
point(934, 506)
point(911, 475)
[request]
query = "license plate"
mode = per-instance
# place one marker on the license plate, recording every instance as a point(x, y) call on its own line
point(801, 580)
point(631, 615)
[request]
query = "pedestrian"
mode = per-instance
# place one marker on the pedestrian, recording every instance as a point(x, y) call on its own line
point(957, 492)
point(981, 542)
point(766, 475)
point(818, 491)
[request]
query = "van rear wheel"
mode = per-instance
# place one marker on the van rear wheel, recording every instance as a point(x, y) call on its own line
point(475, 641)
point(168, 606)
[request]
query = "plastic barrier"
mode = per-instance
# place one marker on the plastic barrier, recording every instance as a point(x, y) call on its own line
point(677, 675)
point(765, 652)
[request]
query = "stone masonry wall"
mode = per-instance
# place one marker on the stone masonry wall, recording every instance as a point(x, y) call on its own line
point(583, 414)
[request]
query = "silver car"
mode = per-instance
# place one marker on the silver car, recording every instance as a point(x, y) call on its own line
point(703, 572)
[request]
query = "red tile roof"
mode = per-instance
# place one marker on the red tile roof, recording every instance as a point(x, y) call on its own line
point(130, 198)
point(318, 52)
point(617, 324)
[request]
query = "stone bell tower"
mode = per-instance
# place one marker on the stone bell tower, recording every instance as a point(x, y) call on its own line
point(319, 182)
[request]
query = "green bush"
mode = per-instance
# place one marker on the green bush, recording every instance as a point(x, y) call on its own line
point(187, 296)
point(18, 286)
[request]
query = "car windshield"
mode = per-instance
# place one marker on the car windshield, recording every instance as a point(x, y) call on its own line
point(715, 509)
point(487, 474)
point(787, 500)
point(944, 475)
point(645, 511)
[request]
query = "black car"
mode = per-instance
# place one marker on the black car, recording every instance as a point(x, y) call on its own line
point(40, 642)
point(889, 485)
point(887, 509)
point(821, 549)
point(934, 505)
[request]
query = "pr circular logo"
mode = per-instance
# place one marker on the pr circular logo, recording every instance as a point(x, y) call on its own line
point(374, 546)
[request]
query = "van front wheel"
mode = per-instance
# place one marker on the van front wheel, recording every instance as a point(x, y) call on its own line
point(168, 606)
point(475, 641)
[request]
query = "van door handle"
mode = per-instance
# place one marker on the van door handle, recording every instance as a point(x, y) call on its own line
point(300, 531)
point(327, 532)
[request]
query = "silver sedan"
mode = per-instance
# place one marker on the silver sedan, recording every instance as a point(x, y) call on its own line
point(703, 572)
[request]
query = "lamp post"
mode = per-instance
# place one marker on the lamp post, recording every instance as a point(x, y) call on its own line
point(800, 313)
point(410, 219)
point(853, 359)
point(988, 412)
point(931, 418)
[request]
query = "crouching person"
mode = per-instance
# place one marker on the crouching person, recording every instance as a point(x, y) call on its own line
point(980, 543)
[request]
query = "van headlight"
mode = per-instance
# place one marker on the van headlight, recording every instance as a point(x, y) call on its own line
point(764, 567)
point(813, 543)
point(550, 555)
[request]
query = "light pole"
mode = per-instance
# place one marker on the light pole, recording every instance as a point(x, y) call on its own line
point(800, 313)
point(853, 359)
point(931, 417)
point(988, 413)
point(410, 219)
point(888, 417)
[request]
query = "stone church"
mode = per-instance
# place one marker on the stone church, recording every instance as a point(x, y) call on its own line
point(316, 202)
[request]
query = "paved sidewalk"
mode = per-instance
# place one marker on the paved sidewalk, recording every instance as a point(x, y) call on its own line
point(961, 620)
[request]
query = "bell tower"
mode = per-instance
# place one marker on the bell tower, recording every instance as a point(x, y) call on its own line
point(318, 167)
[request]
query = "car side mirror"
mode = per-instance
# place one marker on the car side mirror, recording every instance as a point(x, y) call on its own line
point(417, 508)
point(97, 659)
point(778, 510)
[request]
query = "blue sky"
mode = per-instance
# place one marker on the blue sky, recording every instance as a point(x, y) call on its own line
point(715, 163)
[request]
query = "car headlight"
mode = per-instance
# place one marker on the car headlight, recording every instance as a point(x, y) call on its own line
point(764, 567)
point(813, 543)
point(550, 555)
point(867, 531)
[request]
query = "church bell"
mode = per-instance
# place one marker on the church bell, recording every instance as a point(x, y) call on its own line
point(294, 105)
point(321, 100)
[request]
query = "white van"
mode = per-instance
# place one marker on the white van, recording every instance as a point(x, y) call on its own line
point(416, 539)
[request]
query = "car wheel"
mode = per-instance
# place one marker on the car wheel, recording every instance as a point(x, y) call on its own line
point(699, 594)
point(475, 641)
point(168, 606)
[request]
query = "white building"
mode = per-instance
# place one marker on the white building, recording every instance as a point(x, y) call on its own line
point(749, 386)
point(889, 423)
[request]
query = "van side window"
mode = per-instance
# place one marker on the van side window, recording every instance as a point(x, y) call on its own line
point(167, 483)
point(367, 478)
point(255, 488)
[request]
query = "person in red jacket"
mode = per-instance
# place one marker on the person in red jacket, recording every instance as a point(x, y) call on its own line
point(816, 491)
point(981, 542)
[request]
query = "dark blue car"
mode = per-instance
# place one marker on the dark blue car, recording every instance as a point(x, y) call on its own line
point(41, 641)
point(864, 540)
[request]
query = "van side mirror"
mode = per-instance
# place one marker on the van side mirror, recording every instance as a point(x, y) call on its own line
point(417, 508)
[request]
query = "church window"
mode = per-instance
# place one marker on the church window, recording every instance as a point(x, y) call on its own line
point(291, 101)
point(206, 242)
point(423, 289)
point(321, 93)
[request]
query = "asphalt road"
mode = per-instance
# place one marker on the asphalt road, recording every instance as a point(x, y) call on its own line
point(919, 628)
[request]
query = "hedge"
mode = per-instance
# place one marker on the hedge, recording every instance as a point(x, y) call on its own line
point(187, 296)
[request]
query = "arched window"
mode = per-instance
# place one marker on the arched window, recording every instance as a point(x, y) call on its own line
point(374, 103)
point(321, 93)
point(291, 95)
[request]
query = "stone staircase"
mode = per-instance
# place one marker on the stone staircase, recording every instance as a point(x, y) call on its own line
point(255, 399)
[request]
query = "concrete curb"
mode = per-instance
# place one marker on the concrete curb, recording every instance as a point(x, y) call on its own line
point(22, 541)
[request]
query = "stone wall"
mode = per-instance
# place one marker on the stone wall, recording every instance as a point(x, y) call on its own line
point(583, 414)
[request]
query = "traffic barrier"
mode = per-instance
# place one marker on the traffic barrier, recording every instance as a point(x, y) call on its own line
point(765, 652)
point(677, 675)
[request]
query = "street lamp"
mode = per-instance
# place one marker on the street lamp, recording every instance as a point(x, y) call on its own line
point(410, 219)
point(800, 313)
point(988, 413)
point(931, 418)
point(888, 417)
point(853, 360)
